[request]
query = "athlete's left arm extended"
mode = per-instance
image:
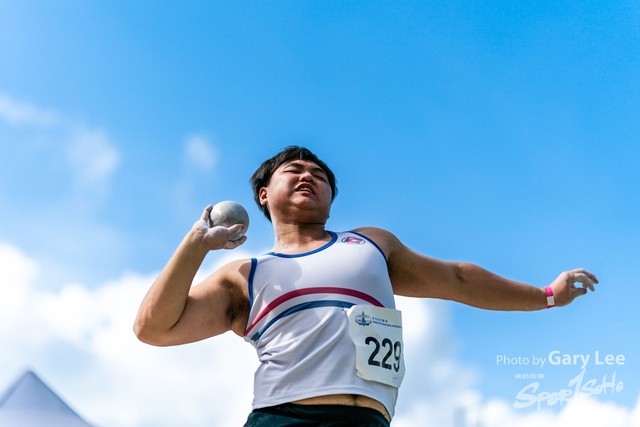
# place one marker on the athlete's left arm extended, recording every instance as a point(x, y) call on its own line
point(416, 275)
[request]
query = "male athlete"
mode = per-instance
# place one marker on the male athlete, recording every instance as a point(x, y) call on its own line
point(319, 308)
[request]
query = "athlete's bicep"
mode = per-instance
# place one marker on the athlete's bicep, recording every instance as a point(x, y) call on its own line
point(415, 275)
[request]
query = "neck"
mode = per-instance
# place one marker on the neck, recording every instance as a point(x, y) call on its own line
point(297, 238)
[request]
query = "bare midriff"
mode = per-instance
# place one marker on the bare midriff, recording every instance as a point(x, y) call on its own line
point(346, 399)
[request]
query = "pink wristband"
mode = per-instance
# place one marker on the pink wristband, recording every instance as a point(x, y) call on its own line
point(551, 301)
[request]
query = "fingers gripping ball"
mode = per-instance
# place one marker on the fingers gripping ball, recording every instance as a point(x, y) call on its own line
point(227, 214)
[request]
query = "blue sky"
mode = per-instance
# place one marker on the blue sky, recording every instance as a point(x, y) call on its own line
point(499, 133)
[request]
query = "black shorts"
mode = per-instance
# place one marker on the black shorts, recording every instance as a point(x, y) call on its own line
point(292, 415)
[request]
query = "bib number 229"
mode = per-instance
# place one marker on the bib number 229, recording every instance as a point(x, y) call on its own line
point(394, 349)
point(377, 335)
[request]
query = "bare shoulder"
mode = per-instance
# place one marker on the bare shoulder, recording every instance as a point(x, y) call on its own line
point(385, 240)
point(411, 273)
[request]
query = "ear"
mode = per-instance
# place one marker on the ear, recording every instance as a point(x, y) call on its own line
point(262, 195)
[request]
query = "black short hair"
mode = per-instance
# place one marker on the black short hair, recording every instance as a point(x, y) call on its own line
point(262, 175)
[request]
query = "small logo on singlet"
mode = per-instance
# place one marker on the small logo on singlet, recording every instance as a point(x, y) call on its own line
point(353, 240)
point(363, 319)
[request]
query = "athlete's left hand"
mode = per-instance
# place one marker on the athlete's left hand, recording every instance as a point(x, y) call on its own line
point(565, 289)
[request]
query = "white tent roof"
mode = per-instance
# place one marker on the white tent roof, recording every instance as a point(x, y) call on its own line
point(30, 403)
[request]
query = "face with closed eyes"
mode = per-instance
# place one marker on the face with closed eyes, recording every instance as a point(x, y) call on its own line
point(298, 192)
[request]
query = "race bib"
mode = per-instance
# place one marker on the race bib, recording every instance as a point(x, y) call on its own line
point(377, 334)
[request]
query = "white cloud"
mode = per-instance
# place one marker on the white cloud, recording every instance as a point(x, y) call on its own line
point(17, 273)
point(201, 384)
point(93, 157)
point(22, 113)
point(200, 153)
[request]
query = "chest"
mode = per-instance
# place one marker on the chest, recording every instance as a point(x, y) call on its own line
point(344, 267)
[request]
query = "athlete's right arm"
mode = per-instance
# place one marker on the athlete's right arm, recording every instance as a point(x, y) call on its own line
point(175, 313)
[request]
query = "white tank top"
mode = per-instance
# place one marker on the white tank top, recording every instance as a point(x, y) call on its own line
point(298, 321)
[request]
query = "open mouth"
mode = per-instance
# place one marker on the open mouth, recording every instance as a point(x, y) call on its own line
point(305, 188)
